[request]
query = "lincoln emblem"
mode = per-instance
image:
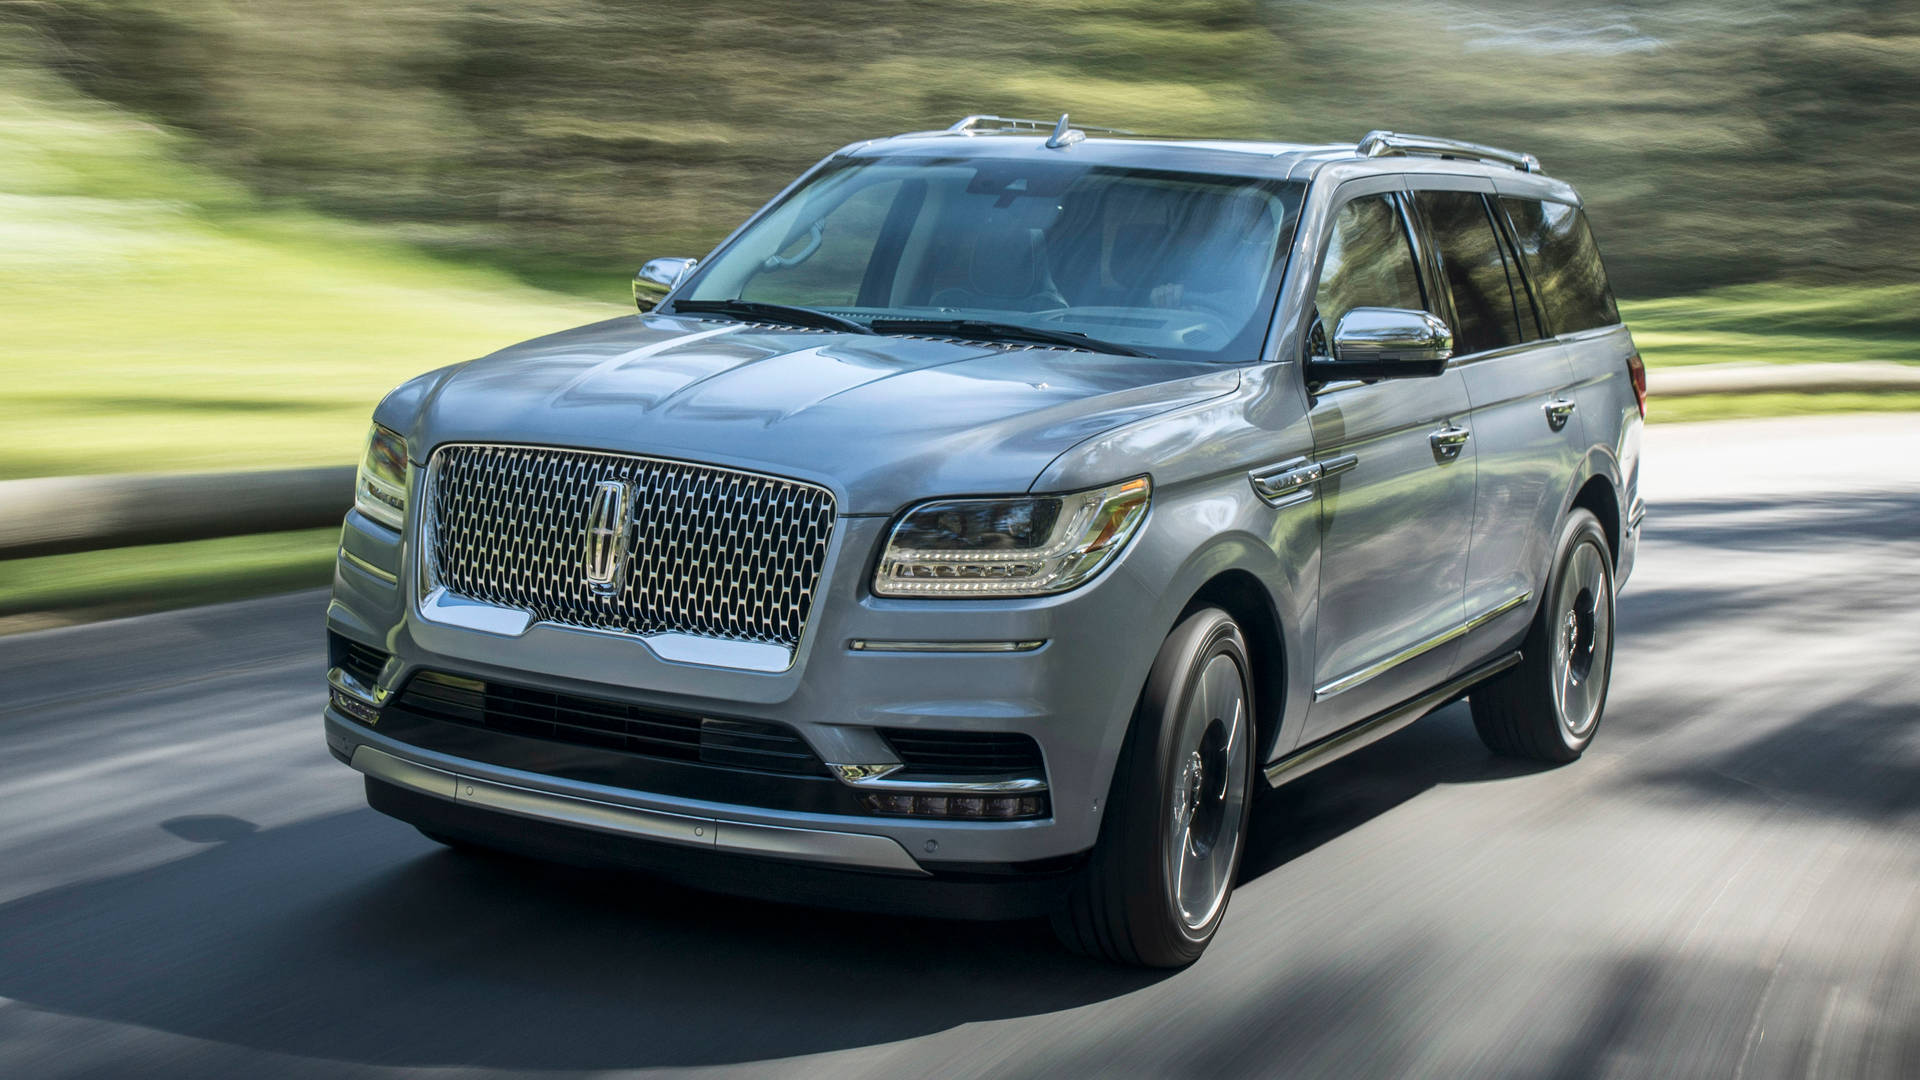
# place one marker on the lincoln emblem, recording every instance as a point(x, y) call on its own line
point(608, 520)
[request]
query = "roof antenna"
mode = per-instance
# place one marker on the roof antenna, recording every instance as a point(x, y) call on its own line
point(1064, 136)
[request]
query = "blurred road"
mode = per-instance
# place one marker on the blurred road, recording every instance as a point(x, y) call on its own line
point(1727, 885)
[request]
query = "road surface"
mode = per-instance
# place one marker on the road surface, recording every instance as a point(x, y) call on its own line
point(1727, 885)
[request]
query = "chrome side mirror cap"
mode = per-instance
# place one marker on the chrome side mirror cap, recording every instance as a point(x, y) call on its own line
point(1384, 343)
point(657, 278)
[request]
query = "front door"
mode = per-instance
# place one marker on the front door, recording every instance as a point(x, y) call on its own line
point(1396, 507)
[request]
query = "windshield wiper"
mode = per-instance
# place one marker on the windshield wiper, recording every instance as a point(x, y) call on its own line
point(791, 314)
point(981, 330)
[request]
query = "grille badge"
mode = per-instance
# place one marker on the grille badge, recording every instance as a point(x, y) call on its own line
point(609, 521)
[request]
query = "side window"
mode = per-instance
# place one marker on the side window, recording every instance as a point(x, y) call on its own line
point(1564, 263)
point(1369, 263)
point(824, 262)
point(1484, 302)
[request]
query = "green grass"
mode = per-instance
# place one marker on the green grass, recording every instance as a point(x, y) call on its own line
point(160, 576)
point(1748, 406)
point(1779, 323)
point(157, 319)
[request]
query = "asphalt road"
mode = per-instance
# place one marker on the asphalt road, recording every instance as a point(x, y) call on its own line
point(1727, 885)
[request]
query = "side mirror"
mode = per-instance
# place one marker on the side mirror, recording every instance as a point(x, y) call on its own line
point(657, 278)
point(1384, 343)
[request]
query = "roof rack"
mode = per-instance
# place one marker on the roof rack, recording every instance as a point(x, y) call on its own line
point(1383, 143)
point(984, 123)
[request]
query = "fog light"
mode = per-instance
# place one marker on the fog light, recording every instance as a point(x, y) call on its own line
point(960, 807)
point(356, 708)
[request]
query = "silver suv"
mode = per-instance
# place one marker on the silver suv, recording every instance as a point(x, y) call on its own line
point(980, 526)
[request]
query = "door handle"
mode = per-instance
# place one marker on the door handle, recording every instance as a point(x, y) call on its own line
point(1448, 442)
point(1292, 481)
point(1558, 410)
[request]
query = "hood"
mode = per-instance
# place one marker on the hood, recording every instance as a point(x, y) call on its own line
point(879, 420)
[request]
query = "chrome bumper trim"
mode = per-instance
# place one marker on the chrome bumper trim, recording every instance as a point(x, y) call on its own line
point(359, 563)
point(338, 679)
point(862, 850)
point(880, 778)
point(868, 645)
point(448, 608)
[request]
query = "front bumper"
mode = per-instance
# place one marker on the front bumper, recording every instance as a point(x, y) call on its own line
point(600, 808)
point(1072, 694)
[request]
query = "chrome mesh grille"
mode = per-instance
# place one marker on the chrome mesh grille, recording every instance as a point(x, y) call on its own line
point(713, 552)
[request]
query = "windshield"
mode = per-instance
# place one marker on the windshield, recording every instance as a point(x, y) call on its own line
point(1168, 264)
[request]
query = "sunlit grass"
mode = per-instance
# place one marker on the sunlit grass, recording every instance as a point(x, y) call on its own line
point(1748, 406)
point(158, 321)
point(159, 576)
point(1779, 323)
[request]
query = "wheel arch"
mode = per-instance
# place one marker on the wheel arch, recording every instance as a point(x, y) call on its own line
point(1242, 595)
point(1269, 593)
point(1599, 496)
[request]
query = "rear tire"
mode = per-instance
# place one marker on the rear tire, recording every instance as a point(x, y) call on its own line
point(1157, 886)
point(1548, 707)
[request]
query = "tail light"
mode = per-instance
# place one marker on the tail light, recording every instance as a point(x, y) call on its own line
point(1638, 372)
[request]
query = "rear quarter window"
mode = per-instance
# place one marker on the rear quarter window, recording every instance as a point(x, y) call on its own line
point(1564, 262)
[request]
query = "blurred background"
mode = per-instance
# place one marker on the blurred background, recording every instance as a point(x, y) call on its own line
point(228, 226)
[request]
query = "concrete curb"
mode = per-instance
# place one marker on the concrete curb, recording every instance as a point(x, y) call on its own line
point(56, 515)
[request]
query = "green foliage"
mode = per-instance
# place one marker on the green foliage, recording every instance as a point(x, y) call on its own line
point(1719, 141)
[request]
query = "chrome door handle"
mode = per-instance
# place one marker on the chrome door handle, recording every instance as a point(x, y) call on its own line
point(1448, 442)
point(1291, 481)
point(1558, 410)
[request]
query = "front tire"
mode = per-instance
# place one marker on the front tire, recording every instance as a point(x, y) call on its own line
point(1549, 706)
point(1157, 886)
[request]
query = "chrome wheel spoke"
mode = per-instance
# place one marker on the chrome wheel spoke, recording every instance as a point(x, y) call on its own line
point(1209, 790)
point(1583, 637)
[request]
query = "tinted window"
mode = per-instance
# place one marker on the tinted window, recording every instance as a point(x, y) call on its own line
point(1484, 307)
point(827, 267)
point(1369, 263)
point(1565, 264)
point(1174, 264)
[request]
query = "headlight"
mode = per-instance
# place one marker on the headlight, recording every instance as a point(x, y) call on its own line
point(1010, 547)
point(380, 491)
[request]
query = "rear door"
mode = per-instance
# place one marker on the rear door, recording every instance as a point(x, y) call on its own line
point(1397, 501)
point(1525, 426)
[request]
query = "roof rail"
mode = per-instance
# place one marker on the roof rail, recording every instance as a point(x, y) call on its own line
point(984, 124)
point(1383, 143)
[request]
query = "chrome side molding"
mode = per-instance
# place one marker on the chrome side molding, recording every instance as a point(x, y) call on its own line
point(1383, 724)
point(1380, 667)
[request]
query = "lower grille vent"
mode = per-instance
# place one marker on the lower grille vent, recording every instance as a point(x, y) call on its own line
point(363, 662)
point(965, 753)
point(604, 724)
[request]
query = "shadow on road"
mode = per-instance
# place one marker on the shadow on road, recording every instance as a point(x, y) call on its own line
point(347, 938)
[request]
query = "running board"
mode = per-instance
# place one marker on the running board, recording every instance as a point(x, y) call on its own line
point(1380, 725)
